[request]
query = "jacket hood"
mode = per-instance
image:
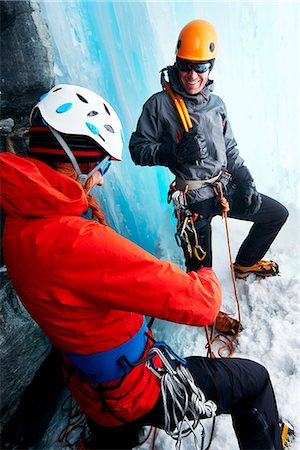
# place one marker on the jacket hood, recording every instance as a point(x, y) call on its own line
point(29, 187)
point(175, 83)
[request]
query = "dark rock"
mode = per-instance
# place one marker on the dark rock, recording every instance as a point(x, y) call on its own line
point(27, 59)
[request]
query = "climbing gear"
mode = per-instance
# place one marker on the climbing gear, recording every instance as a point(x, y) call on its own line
point(186, 66)
point(192, 185)
point(227, 343)
point(261, 269)
point(227, 325)
point(74, 110)
point(287, 433)
point(75, 434)
point(75, 115)
point(186, 234)
point(178, 102)
point(102, 367)
point(197, 41)
point(83, 177)
point(184, 403)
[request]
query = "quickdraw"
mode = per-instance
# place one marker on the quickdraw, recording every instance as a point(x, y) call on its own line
point(186, 234)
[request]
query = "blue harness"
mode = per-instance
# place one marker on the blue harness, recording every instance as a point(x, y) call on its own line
point(102, 367)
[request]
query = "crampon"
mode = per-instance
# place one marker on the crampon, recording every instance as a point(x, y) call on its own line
point(261, 269)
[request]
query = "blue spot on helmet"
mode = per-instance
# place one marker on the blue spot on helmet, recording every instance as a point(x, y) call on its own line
point(93, 128)
point(64, 108)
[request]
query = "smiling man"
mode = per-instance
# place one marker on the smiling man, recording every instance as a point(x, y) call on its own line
point(198, 146)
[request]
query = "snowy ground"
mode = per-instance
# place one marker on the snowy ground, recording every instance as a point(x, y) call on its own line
point(271, 320)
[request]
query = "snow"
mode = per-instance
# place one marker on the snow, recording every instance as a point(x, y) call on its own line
point(118, 49)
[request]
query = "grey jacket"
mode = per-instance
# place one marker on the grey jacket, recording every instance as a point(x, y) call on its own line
point(159, 126)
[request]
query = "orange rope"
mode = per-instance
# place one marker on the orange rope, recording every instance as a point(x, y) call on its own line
point(180, 107)
point(227, 342)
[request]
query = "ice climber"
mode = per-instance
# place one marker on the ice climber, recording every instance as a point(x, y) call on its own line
point(204, 156)
point(89, 289)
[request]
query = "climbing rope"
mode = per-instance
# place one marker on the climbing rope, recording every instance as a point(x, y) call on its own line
point(227, 342)
point(74, 433)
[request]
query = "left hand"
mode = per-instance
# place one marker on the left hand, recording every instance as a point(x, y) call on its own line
point(251, 198)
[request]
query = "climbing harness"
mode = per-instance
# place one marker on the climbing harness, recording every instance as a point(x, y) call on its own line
point(184, 403)
point(192, 185)
point(102, 367)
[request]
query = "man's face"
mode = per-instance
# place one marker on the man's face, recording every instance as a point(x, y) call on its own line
point(193, 82)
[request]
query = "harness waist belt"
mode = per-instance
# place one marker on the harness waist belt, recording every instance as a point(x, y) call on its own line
point(195, 184)
point(102, 367)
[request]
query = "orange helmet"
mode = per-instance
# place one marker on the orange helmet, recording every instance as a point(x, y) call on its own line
point(197, 41)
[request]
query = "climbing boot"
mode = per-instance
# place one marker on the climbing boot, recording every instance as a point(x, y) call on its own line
point(261, 269)
point(287, 434)
point(227, 325)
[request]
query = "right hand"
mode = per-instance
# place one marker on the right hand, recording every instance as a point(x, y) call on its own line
point(192, 147)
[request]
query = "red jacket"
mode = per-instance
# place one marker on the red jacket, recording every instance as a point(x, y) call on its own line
point(88, 287)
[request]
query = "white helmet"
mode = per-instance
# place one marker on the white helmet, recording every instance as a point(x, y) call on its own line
point(72, 112)
point(75, 110)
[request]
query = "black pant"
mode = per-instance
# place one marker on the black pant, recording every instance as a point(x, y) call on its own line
point(239, 387)
point(267, 223)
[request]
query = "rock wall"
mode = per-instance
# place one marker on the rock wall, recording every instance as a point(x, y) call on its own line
point(27, 60)
point(27, 63)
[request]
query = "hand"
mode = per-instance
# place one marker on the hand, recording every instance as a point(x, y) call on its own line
point(192, 147)
point(251, 198)
point(244, 182)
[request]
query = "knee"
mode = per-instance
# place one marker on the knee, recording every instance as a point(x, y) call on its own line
point(282, 214)
point(261, 373)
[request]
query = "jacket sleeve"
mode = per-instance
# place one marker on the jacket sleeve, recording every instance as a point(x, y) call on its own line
point(149, 145)
point(234, 160)
point(117, 274)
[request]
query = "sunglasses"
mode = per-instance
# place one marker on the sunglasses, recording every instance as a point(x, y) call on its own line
point(187, 66)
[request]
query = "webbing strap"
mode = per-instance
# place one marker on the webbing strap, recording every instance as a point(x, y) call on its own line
point(102, 367)
point(192, 185)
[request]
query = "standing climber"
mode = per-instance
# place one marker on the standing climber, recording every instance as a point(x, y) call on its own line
point(204, 156)
point(88, 288)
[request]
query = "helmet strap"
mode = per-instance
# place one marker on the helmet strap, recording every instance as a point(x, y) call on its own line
point(81, 176)
point(67, 149)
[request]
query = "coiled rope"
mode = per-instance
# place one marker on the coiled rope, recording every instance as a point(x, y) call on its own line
point(184, 403)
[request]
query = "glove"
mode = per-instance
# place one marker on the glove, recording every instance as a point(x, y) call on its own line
point(244, 181)
point(252, 198)
point(192, 147)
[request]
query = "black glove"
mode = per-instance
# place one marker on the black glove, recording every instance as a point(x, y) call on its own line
point(192, 147)
point(244, 182)
point(252, 199)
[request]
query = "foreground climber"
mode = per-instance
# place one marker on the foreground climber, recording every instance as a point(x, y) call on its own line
point(88, 288)
point(200, 149)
